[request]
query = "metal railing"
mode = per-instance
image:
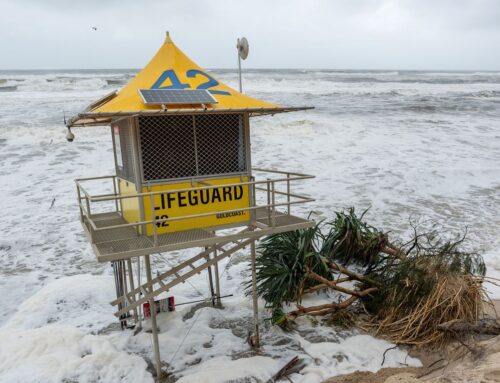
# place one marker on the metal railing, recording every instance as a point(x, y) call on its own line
point(267, 201)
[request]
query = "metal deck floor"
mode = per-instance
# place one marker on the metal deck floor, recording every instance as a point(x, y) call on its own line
point(123, 243)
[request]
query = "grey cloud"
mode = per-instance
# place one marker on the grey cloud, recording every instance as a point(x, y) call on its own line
point(413, 34)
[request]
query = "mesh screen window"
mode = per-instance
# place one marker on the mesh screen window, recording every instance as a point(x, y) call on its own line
point(167, 147)
point(122, 133)
point(190, 146)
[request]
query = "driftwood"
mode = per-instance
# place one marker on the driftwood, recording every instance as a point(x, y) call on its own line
point(481, 327)
point(288, 369)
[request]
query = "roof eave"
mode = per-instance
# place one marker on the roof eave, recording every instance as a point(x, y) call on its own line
point(105, 118)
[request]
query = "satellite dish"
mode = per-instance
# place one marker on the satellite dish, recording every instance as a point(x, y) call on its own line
point(242, 48)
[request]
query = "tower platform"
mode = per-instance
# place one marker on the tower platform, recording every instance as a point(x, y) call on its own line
point(114, 238)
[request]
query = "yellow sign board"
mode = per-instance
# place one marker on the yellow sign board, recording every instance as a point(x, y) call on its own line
point(190, 202)
point(197, 201)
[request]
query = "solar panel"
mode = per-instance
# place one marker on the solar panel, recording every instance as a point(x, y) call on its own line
point(176, 96)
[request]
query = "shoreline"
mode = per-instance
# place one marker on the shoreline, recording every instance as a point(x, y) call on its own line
point(454, 364)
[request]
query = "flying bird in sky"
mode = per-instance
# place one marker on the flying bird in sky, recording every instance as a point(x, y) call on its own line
point(94, 28)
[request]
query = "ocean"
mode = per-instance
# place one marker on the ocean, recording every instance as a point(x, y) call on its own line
point(407, 145)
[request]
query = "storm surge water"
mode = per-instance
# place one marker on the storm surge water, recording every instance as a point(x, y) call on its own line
point(406, 144)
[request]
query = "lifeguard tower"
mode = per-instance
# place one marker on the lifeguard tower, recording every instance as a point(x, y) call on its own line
point(183, 179)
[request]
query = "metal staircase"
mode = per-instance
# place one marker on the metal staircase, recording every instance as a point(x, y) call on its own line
point(163, 282)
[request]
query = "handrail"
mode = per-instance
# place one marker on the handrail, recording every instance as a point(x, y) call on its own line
point(196, 215)
point(93, 178)
point(85, 201)
point(79, 186)
point(203, 182)
point(280, 172)
point(283, 193)
point(148, 194)
point(200, 181)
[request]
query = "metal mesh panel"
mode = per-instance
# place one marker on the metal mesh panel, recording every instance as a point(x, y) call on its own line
point(220, 144)
point(127, 170)
point(190, 146)
point(167, 146)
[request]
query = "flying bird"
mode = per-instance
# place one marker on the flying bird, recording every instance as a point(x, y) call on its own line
point(94, 28)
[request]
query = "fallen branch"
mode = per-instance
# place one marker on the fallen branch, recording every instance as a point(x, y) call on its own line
point(320, 309)
point(286, 370)
point(323, 286)
point(333, 285)
point(352, 274)
point(385, 352)
point(482, 327)
point(393, 251)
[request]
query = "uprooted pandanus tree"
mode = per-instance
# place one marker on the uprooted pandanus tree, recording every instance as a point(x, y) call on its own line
point(409, 290)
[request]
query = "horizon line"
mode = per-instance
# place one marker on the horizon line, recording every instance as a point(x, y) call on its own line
point(261, 68)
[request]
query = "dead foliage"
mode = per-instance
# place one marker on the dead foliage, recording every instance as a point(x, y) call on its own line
point(408, 289)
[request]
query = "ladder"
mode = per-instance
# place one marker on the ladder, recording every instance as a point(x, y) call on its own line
point(181, 272)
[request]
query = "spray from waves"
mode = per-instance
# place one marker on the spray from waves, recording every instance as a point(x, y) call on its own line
point(339, 92)
point(60, 82)
point(369, 77)
point(482, 94)
point(8, 88)
point(116, 82)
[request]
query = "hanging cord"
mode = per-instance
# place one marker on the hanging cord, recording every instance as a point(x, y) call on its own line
point(226, 268)
point(199, 311)
point(194, 287)
point(185, 336)
point(187, 280)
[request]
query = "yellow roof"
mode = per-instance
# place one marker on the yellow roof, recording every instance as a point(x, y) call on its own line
point(170, 68)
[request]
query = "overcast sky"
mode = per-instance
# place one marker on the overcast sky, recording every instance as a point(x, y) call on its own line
point(349, 34)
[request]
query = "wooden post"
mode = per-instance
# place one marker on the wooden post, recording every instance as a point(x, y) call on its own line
point(152, 309)
point(254, 296)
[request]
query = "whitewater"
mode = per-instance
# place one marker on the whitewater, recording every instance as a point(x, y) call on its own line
point(405, 144)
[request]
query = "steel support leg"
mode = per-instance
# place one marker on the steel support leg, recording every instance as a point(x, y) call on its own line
point(152, 309)
point(118, 271)
point(217, 280)
point(139, 325)
point(132, 288)
point(254, 296)
point(210, 280)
